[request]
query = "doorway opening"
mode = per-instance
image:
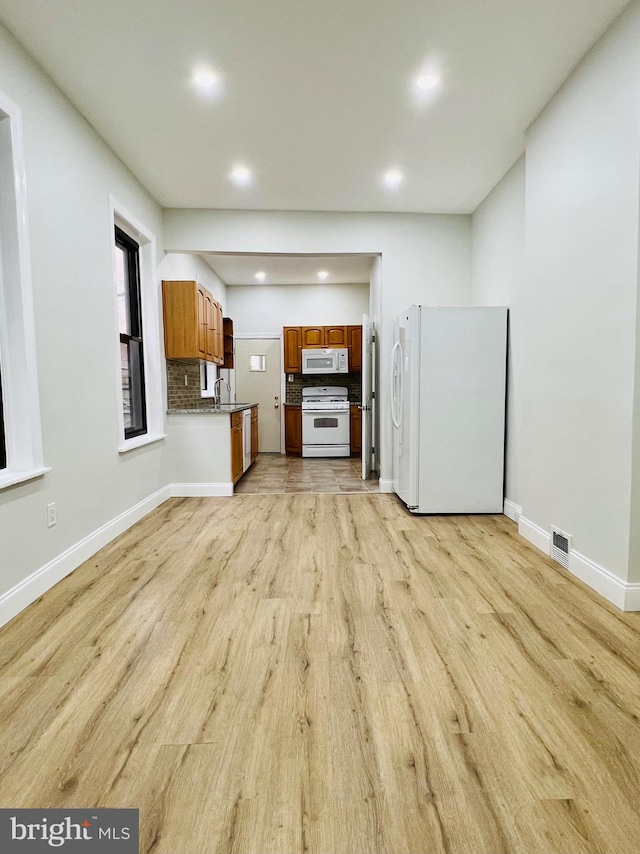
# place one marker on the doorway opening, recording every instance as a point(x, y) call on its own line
point(264, 294)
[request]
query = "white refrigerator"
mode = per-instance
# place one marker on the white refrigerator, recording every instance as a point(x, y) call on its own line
point(448, 388)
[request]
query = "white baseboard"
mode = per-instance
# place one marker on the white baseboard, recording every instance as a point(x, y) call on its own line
point(599, 579)
point(535, 535)
point(385, 485)
point(32, 587)
point(632, 597)
point(513, 511)
point(619, 593)
point(201, 490)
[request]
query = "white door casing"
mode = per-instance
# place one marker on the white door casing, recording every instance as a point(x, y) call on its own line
point(367, 379)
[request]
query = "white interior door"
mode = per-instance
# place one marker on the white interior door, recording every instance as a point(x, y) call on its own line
point(254, 385)
point(367, 380)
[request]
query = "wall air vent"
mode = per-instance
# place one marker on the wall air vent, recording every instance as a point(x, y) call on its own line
point(560, 546)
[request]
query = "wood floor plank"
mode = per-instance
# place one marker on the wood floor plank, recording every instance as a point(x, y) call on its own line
point(327, 674)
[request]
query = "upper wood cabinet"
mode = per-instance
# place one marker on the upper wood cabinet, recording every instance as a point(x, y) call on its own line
point(192, 322)
point(217, 352)
point(292, 337)
point(210, 326)
point(335, 336)
point(354, 343)
point(297, 338)
point(312, 337)
point(227, 329)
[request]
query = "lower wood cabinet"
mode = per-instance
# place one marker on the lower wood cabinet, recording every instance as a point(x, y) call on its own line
point(236, 446)
point(293, 430)
point(355, 427)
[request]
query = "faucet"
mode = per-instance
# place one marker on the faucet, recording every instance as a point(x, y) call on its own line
point(216, 390)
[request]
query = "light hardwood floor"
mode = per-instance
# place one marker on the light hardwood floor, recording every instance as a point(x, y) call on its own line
point(274, 674)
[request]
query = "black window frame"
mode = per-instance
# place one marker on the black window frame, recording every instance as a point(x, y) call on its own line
point(134, 340)
point(3, 431)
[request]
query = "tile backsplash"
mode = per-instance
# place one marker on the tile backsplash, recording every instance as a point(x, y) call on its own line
point(179, 395)
point(351, 381)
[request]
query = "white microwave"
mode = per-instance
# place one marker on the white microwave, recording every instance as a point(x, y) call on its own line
point(326, 361)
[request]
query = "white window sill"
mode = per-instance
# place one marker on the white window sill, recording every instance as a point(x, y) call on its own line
point(140, 441)
point(11, 478)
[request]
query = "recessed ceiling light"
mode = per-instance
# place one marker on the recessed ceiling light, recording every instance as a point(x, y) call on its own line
point(260, 275)
point(205, 79)
point(241, 175)
point(322, 274)
point(393, 178)
point(427, 82)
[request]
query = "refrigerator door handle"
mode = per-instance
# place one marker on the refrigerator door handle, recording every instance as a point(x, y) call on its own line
point(396, 386)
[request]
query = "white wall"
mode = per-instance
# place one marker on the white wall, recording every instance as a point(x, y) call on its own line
point(267, 308)
point(70, 173)
point(497, 239)
point(192, 267)
point(580, 327)
point(425, 259)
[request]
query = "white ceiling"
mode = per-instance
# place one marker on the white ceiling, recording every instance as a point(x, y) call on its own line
point(291, 269)
point(316, 97)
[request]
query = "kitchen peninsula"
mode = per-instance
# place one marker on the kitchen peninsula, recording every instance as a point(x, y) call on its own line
point(217, 444)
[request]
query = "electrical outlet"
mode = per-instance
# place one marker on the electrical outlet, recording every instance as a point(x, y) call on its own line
point(290, 378)
point(186, 379)
point(51, 515)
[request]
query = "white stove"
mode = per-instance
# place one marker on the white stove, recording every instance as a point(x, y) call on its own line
point(325, 422)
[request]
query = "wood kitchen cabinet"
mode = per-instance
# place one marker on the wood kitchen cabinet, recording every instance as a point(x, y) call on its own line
point(218, 341)
point(335, 336)
point(236, 446)
point(293, 430)
point(312, 337)
point(354, 343)
point(292, 338)
point(227, 342)
point(192, 322)
point(355, 427)
point(254, 433)
point(296, 338)
point(210, 325)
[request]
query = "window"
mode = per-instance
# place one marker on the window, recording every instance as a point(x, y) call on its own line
point(137, 352)
point(257, 362)
point(130, 328)
point(3, 441)
point(20, 432)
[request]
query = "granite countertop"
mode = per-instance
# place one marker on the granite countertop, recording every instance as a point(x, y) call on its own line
point(223, 409)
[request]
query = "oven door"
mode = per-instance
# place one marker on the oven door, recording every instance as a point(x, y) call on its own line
point(325, 427)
